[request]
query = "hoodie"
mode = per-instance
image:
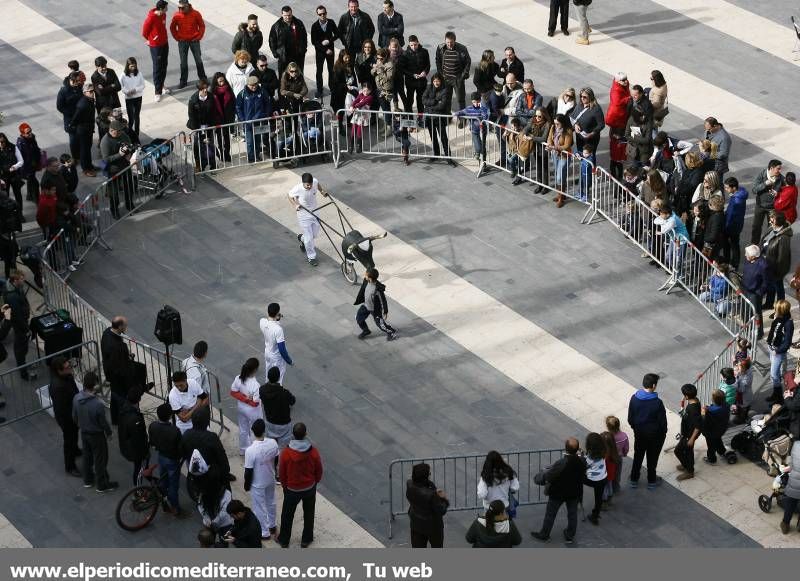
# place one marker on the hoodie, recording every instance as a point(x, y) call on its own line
point(786, 202)
point(187, 26)
point(277, 402)
point(734, 213)
point(646, 413)
point(89, 414)
point(715, 421)
point(154, 29)
point(300, 466)
point(505, 535)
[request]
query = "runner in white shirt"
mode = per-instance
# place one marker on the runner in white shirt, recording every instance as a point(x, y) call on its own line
point(245, 390)
point(303, 198)
point(184, 398)
point(259, 477)
point(275, 353)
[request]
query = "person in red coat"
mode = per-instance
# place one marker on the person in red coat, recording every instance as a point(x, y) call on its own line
point(786, 200)
point(617, 119)
point(188, 28)
point(300, 469)
point(224, 114)
point(154, 31)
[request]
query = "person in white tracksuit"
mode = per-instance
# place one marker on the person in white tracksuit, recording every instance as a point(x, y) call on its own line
point(275, 353)
point(259, 478)
point(303, 198)
point(245, 390)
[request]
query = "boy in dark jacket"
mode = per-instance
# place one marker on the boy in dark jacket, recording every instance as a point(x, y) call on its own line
point(372, 298)
point(715, 423)
point(648, 418)
point(165, 437)
point(132, 432)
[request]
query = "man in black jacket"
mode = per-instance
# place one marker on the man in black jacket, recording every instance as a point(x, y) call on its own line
point(454, 64)
point(415, 65)
point(390, 25)
point(132, 433)
point(372, 298)
point(648, 418)
point(165, 437)
point(201, 116)
point(287, 40)
point(246, 531)
point(267, 78)
point(106, 88)
point(511, 64)
point(277, 402)
point(82, 125)
point(116, 364)
point(563, 483)
point(323, 34)
point(198, 437)
point(776, 247)
point(66, 101)
point(10, 224)
point(249, 37)
point(20, 317)
point(355, 27)
point(63, 390)
point(116, 149)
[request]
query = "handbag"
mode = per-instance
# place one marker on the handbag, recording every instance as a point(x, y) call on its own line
point(789, 382)
point(513, 503)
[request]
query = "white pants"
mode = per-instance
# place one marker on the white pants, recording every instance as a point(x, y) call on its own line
point(279, 363)
point(247, 415)
point(263, 500)
point(583, 21)
point(310, 230)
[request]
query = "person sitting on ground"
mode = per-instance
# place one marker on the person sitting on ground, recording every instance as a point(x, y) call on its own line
point(246, 531)
point(494, 530)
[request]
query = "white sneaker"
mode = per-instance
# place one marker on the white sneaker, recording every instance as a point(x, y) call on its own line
point(165, 91)
point(158, 98)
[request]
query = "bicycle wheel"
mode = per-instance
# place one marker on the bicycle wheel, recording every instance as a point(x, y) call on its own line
point(349, 271)
point(138, 508)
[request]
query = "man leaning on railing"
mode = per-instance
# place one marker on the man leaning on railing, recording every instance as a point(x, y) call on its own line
point(116, 149)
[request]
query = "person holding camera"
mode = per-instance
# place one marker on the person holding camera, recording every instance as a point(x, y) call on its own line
point(116, 149)
point(766, 186)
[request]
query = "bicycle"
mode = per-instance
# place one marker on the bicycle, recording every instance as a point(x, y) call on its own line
point(139, 506)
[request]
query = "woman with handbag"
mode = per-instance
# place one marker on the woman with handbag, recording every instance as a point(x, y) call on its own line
point(498, 481)
point(494, 530)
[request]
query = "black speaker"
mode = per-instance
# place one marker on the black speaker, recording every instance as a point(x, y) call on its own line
point(168, 326)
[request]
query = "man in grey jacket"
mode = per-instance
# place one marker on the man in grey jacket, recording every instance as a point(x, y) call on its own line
point(766, 186)
point(716, 133)
point(89, 413)
point(116, 150)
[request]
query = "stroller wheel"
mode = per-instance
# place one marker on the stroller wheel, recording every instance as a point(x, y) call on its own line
point(765, 503)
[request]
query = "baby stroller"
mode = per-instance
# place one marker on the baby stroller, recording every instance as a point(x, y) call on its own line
point(778, 487)
point(767, 440)
point(154, 173)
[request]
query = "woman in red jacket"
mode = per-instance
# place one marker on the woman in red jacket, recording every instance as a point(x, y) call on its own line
point(617, 119)
point(786, 200)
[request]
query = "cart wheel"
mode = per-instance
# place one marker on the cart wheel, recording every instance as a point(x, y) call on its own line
point(765, 503)
point(349, 271)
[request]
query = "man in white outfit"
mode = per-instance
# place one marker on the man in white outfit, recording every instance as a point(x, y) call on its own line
point(195, 366)
point(275, 353)
point(303, 198)
point(259, 478)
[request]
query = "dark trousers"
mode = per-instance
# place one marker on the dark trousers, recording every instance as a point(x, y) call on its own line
point(323, 58)
point(685, 454)
point(756, 299)
point(21, 341)
point(117, 401)
point(715, 446)
point(553, 504)
point(597, 487)
point(789, 508)
point(363, 314)
point(731, 249)
point(455, 85)
point(204, 155)
point(222, 137)
point(557, 6)
point(775, 290)
point(413, 93)
point(420, 540)
point(85, 147)
point(69, 431)
point(646, 445)
point(437, 127)
point(95, 459)
point(8, 254)
point(32, 186)
point(124, 183)
point(160, 56)
point(171, 485)
point(74, 146)
point(137, 467)
point(184, 46)
point(758, 221)
point(134, 108)
point(291, 499)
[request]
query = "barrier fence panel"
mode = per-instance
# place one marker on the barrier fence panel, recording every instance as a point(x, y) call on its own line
point(535, 163)
point(283, 138)
point(25, 397)
point(397, 133)
point(458, 476)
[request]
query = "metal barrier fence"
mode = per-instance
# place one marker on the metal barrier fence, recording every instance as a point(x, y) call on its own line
point(152, 170)
point(458, 476)
point(566, 173)
point(25, 397)
point(396, 133)
point(282, 138)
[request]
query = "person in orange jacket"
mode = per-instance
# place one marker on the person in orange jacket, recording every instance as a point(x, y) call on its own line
point(188, 28)
point(300, 468)
point(154, 31)
point(786, 200)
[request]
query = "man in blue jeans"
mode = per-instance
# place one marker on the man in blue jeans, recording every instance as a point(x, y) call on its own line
point(165, 437)
point(254, 103)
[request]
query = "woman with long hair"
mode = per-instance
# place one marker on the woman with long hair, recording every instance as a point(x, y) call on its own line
point(494, 530)
point(245, 391)
point(587, 120)
point(213, 497)
point(426, 507)
point(658, 97)
point(596, 474)
point(132, 82)
point(535, 133)
point(486, 71)
point(497, 480)
point(559, 142)
point(779, 340)
point(709, 188)
point(364, 61)
point(224, 113)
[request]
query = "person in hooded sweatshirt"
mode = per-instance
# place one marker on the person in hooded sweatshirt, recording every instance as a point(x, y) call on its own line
point(494, 530)
point(300, 472)
point(734, 220)
point(427, 506)
point(372, 298)
point(277, 402)
point(89, 413)
point(648, 418)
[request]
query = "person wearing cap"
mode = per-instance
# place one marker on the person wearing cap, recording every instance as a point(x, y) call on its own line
point(252, 104)
point(303, 198)
point(288, 40)
point(31, 160)
point(188, 28)
point(116, 149)
point(154, 31)
point(275, 353)
point(648, 418)
point(82, 124)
